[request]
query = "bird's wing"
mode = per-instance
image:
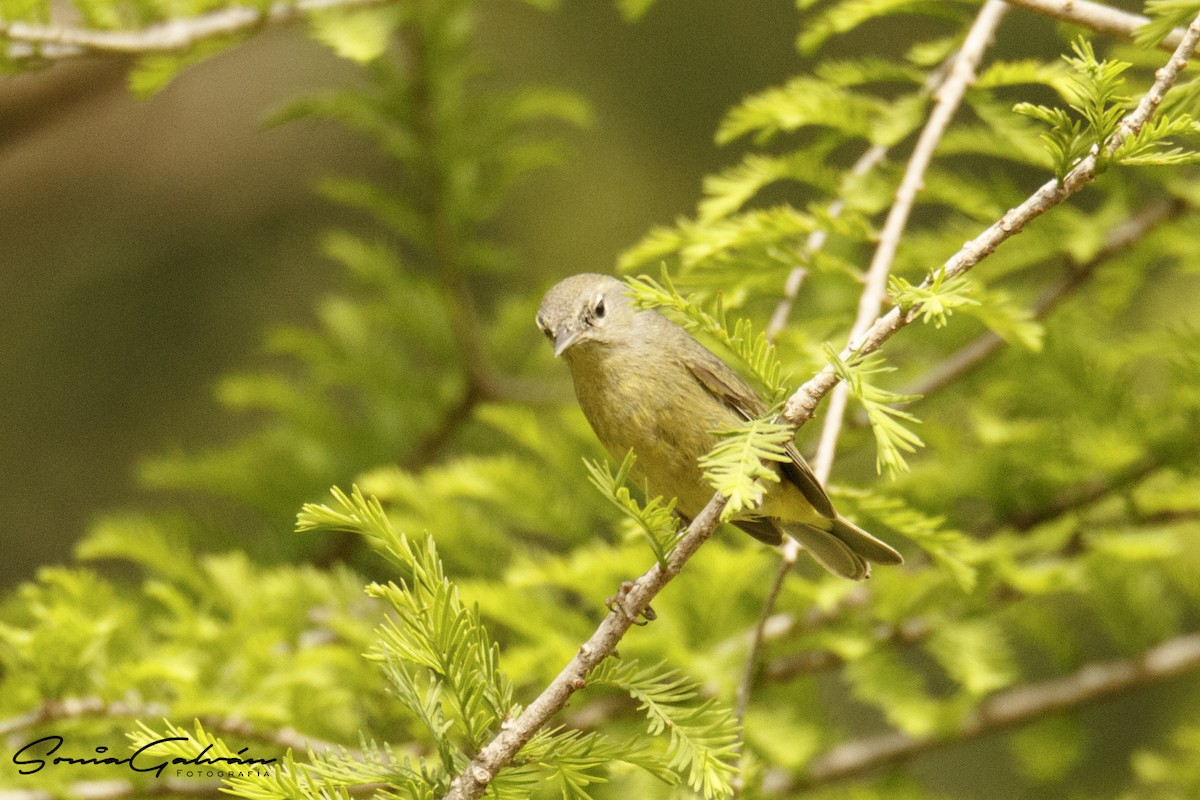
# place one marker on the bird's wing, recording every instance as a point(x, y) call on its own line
point(728, 387)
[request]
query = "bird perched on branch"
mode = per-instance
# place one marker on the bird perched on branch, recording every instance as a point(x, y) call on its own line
point(646, 384)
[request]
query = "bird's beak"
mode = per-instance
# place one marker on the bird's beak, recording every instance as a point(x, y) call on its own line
point(563, 339)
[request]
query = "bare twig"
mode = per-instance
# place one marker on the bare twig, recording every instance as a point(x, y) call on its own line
point(742, 701)
point(28, 40)
point(949, 97)
point(800, 407)
point(948, 84)
point(1098, 17)
point(1006, 709)
point(77, 708)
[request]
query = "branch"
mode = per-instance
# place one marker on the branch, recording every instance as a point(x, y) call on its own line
point(633, 600)
point(27, 40)
point(1004, 710)
point(949, 97)
point(1098, 17)
point(971, 355)
point(800, 407)
point(751, 668)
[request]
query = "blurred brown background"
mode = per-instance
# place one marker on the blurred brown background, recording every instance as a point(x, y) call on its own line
point(147, 243)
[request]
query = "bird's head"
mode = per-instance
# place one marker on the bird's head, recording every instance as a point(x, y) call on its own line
point(583, 309)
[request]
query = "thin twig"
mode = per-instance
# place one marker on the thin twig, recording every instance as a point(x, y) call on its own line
point(77, 708)
point(935, 83)
point(742, 701)
point(1004, 710)
point(948, 98)
point(29, 40)
point(1097, 17)
point(800, 407)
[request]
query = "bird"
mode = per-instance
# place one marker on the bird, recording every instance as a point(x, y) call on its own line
point(647, 385)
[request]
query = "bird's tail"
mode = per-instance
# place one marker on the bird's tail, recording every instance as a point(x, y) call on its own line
point(845, 549)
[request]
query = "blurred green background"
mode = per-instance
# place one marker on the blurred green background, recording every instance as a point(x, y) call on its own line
point(147, 243)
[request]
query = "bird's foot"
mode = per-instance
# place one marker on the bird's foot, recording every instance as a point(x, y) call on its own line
point(617, 604)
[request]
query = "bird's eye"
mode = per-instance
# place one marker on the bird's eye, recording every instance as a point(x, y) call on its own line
point(598, 308)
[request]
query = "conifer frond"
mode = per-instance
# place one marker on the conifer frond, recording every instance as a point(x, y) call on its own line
point(844, 16)
point(1093, 91)
point(1008, 319)
point(575, 760)
point(656, 519)
point(1165, 16)
point(802, 102)
point(433, 630)
point(1152, 145)
point(754, 350)
point(949, 549)
point(935, 302)
point(760, 236)
point(737, 466)
point(727, 191)
point(703, 735)
point(892, 437)
point(976, 654)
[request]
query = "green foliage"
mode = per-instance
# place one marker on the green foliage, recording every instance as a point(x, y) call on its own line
point(1094, 92)
point(935, 300)
point(1051, 520)
point(655, 519)
point(754, 350)
point(445, 670)
point(892, 438)
point(703, 736)
point(358, 390)
point(1165, 16)
point(737, 466)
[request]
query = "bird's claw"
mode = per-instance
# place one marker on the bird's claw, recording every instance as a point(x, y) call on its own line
point(616, 604)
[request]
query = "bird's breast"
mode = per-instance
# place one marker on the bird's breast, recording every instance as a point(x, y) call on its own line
point(659, 414)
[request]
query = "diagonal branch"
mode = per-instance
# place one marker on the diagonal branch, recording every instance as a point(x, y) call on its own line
point(800, 407)
point(29, 40)
point(1007, 709)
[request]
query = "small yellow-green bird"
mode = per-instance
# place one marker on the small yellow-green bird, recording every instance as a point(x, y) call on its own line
point(646, 384)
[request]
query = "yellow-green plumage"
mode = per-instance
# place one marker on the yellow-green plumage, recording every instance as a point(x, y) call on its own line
point(646, 384)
